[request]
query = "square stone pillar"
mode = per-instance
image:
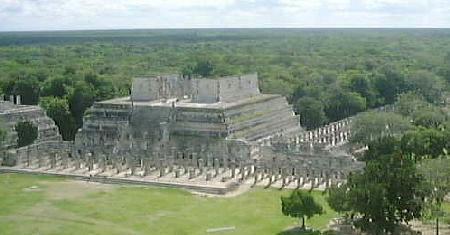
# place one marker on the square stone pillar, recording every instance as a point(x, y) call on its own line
point(192, 173)
point(201, 165)
point(233, 170)
point(216, 167)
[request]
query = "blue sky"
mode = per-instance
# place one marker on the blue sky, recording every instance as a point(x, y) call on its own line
point(16, 15)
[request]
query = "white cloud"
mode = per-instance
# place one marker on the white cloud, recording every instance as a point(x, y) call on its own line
point(83, 14)
point(339, 4)
point(301, 4)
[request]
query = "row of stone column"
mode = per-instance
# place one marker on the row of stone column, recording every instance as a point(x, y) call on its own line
point(333, 140)
point(180, 167)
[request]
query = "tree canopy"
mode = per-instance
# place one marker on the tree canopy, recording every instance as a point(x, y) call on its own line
point(300, 204)
point(326, 74)
point(390, 191)
point(370, 126)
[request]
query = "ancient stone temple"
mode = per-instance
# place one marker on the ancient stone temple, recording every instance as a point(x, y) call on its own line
point(174, 116)
point(208, 135)
point(12, 113)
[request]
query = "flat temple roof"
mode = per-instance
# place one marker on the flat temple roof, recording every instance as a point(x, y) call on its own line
point(186, 103)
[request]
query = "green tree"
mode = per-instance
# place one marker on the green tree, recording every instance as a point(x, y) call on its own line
point(382, 146)
point(427, 84)
point(58, 109)
point(27, 133)
point(2, 133)
point(27, 88)
point(342, 104)
point(81, 98)
point(311, 112)
point(370, 126)
point(389, 191)
point(430, 117)
point(360, 83)
point(204, 68)
point(425, 142)
point(437, 175)
point(409, 103)
point(338, 200)
point(300, 205)
point(389, 82)
point(57, 86)
point(104, 89)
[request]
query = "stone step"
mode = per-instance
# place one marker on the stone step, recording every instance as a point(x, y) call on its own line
point(267, 117)
point(255, 107)
point(259, 135)
point(267, 128)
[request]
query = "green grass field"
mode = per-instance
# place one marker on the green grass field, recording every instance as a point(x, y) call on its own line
point(58, 206)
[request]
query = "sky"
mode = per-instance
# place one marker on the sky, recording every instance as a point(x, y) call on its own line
point(30, 15)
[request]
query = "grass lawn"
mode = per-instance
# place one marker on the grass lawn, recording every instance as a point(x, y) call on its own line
point(58, 206)
point(446, 209)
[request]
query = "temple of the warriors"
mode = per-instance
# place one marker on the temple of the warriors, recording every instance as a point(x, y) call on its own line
point(189, 118)
point(209, 135)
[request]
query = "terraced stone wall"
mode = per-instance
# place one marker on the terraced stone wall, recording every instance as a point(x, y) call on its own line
point(13, 114)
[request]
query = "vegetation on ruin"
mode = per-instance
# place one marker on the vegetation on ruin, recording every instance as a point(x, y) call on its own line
point(3, 131)
point(27, 133)
point(326, 74)
point(56, 206)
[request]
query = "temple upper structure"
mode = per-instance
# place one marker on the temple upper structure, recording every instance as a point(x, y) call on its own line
point(226, 89)
point(179, 113)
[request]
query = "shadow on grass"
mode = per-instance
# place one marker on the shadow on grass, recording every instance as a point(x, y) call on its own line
point(299, 231)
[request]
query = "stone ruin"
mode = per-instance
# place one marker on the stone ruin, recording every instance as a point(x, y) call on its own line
point(11, 113)
point(208, 135)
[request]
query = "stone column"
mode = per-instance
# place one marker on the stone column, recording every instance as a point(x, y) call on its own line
point(192, 173)
point(28, 158)
point(162, 168)
point(327, 179)
point(65, 161)
point(270, 178)
point(145, 167)
point(216, 167)
point(242, 170)
point(90, 163)
point(225, 163)
point(194, 160)
point(233, 169)
point(283, 176)
point(201, 164)
point(40, 161)
point(102, 163)
point(53, 160)
point(256, 175)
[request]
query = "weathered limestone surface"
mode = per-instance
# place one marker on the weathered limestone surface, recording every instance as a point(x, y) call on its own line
point(48, 141)
point(201, 134)
point(189, 115)
point(11, 114)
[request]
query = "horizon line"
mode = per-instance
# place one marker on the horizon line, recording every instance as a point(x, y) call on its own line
point(217, 28)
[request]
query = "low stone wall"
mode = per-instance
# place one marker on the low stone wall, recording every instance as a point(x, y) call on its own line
point(30, 153)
